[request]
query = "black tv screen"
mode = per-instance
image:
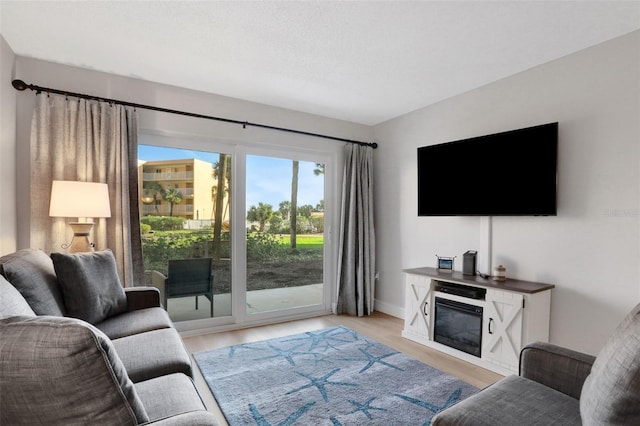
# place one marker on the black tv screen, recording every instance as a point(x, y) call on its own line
point(512, 173)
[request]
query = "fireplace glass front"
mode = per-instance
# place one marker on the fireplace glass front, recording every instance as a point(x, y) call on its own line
point(458, 325)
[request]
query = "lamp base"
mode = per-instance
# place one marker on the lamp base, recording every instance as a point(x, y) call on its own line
point(80, 241)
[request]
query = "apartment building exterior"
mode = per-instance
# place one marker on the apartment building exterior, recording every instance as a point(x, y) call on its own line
point(192, 178)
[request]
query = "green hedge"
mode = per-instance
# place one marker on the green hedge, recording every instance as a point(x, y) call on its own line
point(163, 223)
point(161, 246)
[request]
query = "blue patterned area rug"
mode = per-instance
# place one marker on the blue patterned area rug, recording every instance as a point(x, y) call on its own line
point(333, 377)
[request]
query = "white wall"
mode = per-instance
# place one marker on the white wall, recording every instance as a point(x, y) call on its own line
point(199, 133)
point(8, 235)
point(590, 250)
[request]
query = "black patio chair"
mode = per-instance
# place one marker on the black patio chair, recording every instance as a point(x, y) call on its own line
point(189, 277)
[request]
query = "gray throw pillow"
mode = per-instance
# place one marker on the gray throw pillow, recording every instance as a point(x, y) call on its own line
point(63, 371)
point(611, 393)
point(31, 272)
point(11, 301)
point(90, 285)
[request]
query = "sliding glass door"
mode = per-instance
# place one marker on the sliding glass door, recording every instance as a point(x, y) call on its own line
point(255, 218)
point(285, 234)
point(186, 229)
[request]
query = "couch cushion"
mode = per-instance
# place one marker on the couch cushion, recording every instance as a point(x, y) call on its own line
point(62, 371)
point(169, 395)
point(135, 322)
point(31, 272)
point(153, 354)
point(513, 400)
point(611, 393)
point(11, 301)
point(90, 285)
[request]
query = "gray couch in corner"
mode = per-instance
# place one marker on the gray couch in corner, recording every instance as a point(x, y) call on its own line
point(559, 386)
point(127, 365)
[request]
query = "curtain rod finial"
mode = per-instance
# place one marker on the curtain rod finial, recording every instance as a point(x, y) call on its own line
point(19, 85)
point(374, 145)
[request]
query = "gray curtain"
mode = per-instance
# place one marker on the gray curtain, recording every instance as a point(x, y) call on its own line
point(89, 141)
point(357, 257)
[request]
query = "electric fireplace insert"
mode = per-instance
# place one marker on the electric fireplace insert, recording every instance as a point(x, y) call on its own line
point(458, 325)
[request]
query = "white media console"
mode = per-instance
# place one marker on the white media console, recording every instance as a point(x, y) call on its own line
point(513, 313)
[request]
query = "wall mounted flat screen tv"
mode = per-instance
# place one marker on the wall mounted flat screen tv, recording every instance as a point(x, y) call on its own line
point(512, 173)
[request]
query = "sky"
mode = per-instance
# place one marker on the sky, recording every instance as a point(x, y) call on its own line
point(268, 179)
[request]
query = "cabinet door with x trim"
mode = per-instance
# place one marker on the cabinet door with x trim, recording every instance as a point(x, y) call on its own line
point(502, 336)
point(418, 298)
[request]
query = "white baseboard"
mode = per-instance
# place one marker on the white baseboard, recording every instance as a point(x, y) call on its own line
point(389, 309)
point(385, 308)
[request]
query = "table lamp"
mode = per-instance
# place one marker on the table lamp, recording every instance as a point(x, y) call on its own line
point(83, 200)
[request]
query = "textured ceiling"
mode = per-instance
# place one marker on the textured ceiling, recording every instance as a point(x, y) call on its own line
point(360, 61)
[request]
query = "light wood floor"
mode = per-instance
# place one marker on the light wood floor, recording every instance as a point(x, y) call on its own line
point(379, 327)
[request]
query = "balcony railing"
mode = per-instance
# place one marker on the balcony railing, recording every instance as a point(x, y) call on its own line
point(167, 176)
point(185, 192)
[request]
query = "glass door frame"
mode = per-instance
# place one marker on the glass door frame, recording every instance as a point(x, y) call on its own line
point(239, 268)
point(328, 154)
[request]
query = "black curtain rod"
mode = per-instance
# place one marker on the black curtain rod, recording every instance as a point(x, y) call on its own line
point(21, 86)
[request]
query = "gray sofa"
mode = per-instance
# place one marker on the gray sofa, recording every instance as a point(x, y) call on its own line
point(559, 386)
point(77, 348)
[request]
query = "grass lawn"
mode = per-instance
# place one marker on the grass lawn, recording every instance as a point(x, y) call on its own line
point(305, 240)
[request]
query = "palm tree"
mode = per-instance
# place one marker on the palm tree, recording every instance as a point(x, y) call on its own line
point(172, 196)
point(153, 190)
point(220, 173)
point(284, 208)
point(294, 204)
point(217, 171)
point(261, 214)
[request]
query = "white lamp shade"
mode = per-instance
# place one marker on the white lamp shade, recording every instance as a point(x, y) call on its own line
point(79, 199)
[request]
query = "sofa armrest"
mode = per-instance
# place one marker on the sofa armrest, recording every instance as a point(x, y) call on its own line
point(193, 418)
point(559, 368)
point(142, 298)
